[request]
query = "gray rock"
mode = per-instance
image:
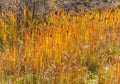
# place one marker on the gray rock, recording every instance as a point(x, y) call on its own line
point(43, 6)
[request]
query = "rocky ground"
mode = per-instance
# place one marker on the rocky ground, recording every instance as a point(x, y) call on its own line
point(75, 5)
point(88, 4)
point(41, 6)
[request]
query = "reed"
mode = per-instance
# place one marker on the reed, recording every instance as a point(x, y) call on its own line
point(64, 48)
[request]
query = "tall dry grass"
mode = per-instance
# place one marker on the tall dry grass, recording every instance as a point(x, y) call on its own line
point(66, 48)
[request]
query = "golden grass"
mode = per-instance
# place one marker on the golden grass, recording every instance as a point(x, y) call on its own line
point(67, 49)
